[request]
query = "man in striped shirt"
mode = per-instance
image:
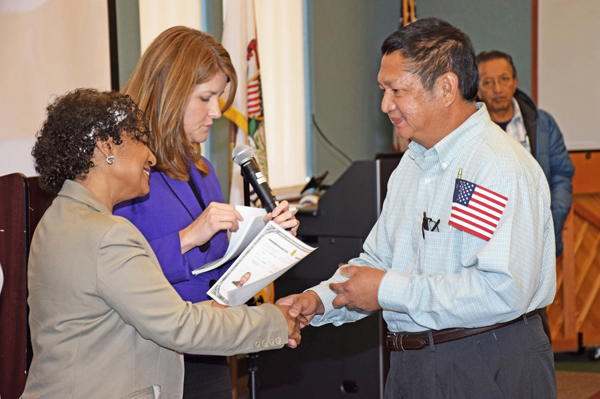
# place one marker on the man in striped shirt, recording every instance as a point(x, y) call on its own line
point(461, 309)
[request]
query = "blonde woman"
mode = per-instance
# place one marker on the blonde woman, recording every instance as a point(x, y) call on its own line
point(177, 83)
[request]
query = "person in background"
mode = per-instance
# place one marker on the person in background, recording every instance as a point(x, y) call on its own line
point(462, 255)
point(516, 113)
point(104, 320)
point(177, 83)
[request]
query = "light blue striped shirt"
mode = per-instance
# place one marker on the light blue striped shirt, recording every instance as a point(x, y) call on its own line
point(451, 278)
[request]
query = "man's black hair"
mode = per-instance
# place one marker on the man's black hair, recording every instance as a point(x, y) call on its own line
point(433, 47)
point(486, 56)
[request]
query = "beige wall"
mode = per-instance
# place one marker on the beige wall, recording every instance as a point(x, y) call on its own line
point(47, 48)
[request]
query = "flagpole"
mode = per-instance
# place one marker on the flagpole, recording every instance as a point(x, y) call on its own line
point(232, 134)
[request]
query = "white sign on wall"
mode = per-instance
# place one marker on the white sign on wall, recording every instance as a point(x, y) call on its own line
point(569, 61)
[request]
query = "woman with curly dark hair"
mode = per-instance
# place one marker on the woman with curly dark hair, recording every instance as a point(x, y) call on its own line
point(104, 320)
point(177, 83)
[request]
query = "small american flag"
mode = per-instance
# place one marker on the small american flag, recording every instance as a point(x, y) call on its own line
point(476, 210)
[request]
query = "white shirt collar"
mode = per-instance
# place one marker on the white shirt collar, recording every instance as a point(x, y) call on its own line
point(516, 127)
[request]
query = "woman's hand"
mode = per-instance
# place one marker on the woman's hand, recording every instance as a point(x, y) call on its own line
point(214, 218)
point(294, 326)
point(284, 217)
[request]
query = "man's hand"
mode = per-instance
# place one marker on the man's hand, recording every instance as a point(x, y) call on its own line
point(360, 292)
point(294, 325)
point(307, 304)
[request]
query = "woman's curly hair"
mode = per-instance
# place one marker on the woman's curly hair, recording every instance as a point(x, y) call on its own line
point(76, 121)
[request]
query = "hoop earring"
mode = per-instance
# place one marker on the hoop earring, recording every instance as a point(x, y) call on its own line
point(110, 160)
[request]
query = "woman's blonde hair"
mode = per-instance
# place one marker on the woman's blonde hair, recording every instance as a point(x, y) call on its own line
point(177, 60)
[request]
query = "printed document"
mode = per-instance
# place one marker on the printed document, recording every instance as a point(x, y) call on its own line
point(252, 224)
point(272, 252)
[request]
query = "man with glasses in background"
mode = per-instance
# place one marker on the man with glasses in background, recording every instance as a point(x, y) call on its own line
point(516, 113)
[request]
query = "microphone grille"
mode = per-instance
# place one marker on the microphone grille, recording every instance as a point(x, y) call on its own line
point(241, 154)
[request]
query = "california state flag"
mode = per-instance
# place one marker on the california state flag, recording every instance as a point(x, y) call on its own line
point(239, 39)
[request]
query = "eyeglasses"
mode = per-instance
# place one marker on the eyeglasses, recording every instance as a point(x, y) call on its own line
point(503, 81)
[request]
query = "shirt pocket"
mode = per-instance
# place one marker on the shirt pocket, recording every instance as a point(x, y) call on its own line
point(439, 252)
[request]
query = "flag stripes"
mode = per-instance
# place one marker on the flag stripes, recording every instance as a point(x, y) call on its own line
point(480, 216)
point(476, 210)
point(254, 98)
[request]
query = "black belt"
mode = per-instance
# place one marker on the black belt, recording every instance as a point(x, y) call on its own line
point(406, 342)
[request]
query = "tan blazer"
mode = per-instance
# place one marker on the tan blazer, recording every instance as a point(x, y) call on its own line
point(105, 323)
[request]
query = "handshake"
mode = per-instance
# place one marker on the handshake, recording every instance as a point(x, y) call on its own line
point(358, 291)
point(298, 310)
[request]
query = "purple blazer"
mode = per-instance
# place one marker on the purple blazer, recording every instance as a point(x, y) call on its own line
point(162, 213)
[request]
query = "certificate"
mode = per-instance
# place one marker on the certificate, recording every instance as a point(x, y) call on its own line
point(272, 252)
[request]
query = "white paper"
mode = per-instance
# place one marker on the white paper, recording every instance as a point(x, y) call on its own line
point(253, 223)
point(273, 252)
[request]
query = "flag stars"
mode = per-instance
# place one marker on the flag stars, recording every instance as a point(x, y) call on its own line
point(465, 191)
point(475, 217)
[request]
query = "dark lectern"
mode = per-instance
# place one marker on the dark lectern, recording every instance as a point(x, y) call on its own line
point(333, 362)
